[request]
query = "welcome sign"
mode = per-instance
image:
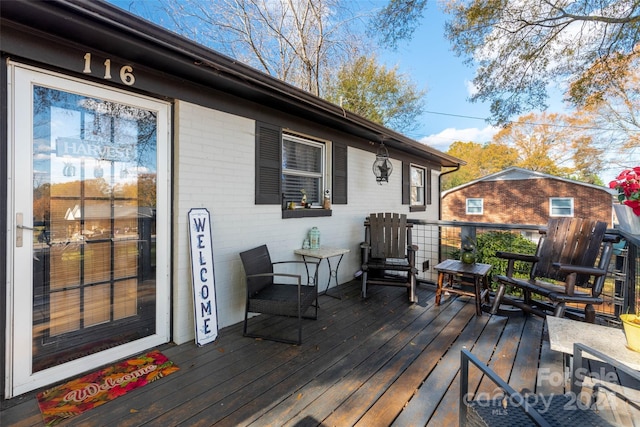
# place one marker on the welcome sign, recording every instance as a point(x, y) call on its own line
point(203, 280)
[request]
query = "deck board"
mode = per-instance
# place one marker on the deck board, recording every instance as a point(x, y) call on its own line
point(447, 411)
point(375, 362)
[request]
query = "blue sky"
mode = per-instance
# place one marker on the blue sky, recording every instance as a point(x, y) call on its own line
point(431, 64)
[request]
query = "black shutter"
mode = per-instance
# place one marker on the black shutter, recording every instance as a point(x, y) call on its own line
point(428, 185)
point(268, 164)
point(406, 183)
point(339, 178)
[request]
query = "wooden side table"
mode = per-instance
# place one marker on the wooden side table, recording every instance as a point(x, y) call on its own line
point(458, 273)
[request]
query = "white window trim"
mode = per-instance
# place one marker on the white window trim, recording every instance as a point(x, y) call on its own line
point(323, 166)
point(552, 199)
point(424, 185)
point(481, 206)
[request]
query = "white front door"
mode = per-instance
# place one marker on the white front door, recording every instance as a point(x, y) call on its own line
point(88, 223)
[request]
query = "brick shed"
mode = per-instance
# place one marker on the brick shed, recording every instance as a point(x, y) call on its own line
point(521, 196)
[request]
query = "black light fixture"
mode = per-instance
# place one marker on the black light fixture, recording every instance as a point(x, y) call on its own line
point(382, 167)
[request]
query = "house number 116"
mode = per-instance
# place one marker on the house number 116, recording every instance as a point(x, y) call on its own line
point(126, 72)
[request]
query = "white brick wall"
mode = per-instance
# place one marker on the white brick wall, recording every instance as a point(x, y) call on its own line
point(214, 169)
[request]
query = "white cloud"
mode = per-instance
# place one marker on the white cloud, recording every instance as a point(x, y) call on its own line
point(442, 140)
point(471, 88)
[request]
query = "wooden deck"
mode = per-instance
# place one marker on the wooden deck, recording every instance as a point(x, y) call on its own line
point(377, 362)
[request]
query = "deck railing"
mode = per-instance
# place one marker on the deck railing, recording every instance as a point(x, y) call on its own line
point(440, 240)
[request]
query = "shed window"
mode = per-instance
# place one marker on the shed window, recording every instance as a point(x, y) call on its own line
point(561, 206)
point(475, 206)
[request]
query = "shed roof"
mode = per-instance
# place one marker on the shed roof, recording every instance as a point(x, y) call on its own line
point(109, 28)
point(516, 173)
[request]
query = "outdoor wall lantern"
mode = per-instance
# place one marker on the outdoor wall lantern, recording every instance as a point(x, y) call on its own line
point(382, 167)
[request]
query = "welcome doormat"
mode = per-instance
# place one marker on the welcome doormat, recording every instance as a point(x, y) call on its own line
point(80, 395)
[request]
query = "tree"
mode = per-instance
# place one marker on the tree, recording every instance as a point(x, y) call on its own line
point(481, 160)
point(610, 112)
point(520, 47)
point(397, 21)
point(381, 95)
point(547, 143)
point(302, 42)
point(298, 41)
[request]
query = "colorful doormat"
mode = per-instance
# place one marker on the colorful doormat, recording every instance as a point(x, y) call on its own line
point(79, 395)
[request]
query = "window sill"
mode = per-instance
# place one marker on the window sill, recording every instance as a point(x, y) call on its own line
point(305, 213)
point(417, 208)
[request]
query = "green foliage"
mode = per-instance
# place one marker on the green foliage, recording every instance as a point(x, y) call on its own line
point(379, 94)
point(493, 241)
point(490, 242)
point(482, 160)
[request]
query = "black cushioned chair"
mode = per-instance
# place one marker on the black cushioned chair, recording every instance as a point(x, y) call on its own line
point(388, 255)
point(267, 296)
point(569, 266)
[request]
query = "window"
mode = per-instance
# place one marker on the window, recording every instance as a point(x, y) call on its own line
point(417, 186)
point(302, 169)
point(287, 163)
point(475, 206)
point(561, 206)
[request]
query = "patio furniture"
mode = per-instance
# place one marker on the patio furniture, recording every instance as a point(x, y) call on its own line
point(509, 408)
point(388, 257)
point(267, 294)
point(564, 333)
point(325, 253)
point(459, 275)
point(569, 266)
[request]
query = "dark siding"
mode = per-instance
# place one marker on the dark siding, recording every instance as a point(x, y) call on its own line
point(268, 164)
point(428, 185)
point(339, 174)
point(406, 183)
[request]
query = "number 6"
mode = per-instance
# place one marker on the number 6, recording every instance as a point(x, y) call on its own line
point(126, 75)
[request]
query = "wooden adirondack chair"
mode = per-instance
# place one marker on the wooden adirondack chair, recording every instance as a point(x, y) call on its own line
point(388, 255)
point(569, 266)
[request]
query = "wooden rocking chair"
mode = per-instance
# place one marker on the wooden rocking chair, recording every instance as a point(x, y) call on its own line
point(573, 253)
point(265, 295)
point(388, 255)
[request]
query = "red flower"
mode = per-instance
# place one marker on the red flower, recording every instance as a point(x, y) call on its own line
point(627, 184)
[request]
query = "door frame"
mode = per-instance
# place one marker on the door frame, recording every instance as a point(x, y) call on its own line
point(19, 377)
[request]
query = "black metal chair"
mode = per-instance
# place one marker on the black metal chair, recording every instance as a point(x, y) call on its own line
point(569, 266)
point(507, 407)
point(266, 295)
point(388, 255)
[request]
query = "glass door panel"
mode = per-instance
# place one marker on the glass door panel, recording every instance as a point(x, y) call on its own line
point(88, 155)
